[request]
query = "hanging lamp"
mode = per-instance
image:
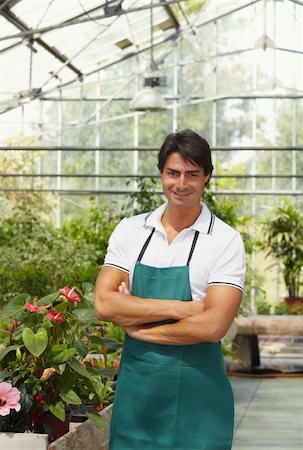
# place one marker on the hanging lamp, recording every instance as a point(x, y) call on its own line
point(149, 98)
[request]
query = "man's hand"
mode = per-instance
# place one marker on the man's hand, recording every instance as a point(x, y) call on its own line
point(123, 289)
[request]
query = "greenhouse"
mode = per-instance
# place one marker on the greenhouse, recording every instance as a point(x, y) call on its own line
point(89, 90)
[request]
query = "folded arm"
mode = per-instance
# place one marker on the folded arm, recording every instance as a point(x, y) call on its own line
point(211, 325)
point(118, 306)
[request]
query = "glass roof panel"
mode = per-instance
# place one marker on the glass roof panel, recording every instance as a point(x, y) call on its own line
point(47, 52)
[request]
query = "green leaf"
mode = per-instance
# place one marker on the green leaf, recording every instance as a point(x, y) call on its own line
point(15, 307)
point(85, 315)
point(61, 307)
point(48, 298)
point(96, 419)
point(71, 397)
point(7, 350)
point(97, 340)
point(59, 354)
point(58, 410)
point(61, 368)
point(106, 373)
point(110, 343)
point(77, 367)
point(35, 343)
point(81, 348)
point(87, 288)
point(97, 384)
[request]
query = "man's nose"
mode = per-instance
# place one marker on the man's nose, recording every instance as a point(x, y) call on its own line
point(182, 182)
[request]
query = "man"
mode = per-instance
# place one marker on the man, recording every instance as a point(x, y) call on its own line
point(185, 271)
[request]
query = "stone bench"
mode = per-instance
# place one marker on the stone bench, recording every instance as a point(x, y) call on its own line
point(244, 335)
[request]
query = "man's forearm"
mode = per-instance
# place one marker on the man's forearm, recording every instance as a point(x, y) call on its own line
point(128, 310)
point(188, 331)
point(209, 325)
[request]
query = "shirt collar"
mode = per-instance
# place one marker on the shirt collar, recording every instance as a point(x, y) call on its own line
point(203, 224)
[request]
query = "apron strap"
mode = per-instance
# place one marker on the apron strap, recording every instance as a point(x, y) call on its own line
point(145, 245)
point(193, 245)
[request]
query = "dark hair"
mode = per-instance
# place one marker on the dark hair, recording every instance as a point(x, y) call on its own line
point(190, 146)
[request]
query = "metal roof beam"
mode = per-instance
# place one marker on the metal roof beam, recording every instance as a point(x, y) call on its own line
point(70, 22)
point(18, 23)
point(8, 3)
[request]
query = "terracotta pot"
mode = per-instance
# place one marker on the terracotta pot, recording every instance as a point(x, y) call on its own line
point(292, 300)
point(51, 425)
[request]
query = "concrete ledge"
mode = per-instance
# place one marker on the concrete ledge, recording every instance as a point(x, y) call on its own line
point(261, 324)
point(245, 334)
point(85, 436)
point(24, 441)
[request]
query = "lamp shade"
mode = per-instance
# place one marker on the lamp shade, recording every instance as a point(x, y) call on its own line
point(148, 99)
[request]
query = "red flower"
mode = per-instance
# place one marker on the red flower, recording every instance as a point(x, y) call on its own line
point(35, 307)
point(39, 398)
point(54, 316)
point(70, 294)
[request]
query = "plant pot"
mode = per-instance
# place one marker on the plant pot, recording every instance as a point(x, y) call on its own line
point(291, 300)
point(51, 425)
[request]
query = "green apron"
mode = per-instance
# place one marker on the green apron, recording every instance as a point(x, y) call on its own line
point(170, 397)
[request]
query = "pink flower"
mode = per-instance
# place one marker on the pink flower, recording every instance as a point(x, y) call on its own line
point(35, 307)
point(54, 316)
point(47, 373)
point(9, 398)
point(70, 294)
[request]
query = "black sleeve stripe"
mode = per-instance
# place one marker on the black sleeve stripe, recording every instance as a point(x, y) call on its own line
point(115, 265)
point(226, 283)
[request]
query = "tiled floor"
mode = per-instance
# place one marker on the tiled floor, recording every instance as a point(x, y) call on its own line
point(269, 413)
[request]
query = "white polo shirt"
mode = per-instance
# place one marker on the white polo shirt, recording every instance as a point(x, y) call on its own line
point(218, 257)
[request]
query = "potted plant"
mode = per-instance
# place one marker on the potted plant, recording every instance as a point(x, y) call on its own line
point(284, 240)
point(50, 360)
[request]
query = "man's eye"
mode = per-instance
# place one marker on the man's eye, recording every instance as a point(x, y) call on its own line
point(171, 173)
point(192, 175)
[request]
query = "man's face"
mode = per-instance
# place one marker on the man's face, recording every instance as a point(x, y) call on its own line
point(183, 182)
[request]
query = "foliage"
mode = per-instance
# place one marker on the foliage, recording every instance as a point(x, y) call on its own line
point(294, 309)
point(93, 228)
point(263, 307)
point(48, 353)
point(22, 162)
point(145, 199)
point(283, 239)
point(37, 258)
point(227, 210)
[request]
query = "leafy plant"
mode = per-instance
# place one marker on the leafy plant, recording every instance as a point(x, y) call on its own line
point(263, 307)
point(94, 227)
point(145, 199)
point(52, 353)
point(38, 258)
point(283, 239)
point(295, 308)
